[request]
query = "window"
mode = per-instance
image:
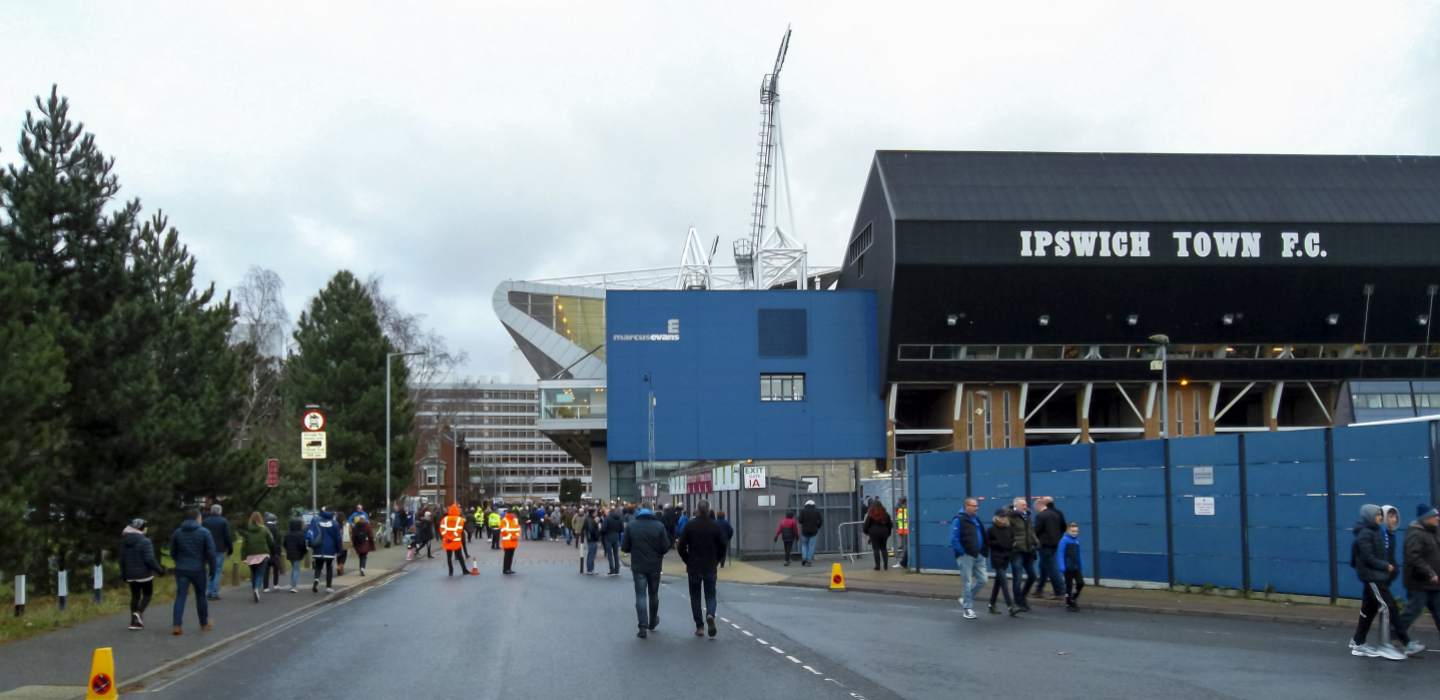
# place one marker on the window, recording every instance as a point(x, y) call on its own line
point(429, 477)
point(782, 387)
point(1179, 415)
point(1007, 419)
point(861, 244)
point(1196, 413)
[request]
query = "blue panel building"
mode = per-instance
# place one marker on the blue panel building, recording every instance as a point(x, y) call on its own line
point(771, 374)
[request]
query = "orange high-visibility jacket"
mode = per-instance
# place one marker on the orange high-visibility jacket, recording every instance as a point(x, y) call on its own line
point(510, 532)
point(452, 528)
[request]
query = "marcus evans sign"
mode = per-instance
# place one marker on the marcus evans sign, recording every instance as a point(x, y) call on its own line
point(1196, 243)
point(672, 332)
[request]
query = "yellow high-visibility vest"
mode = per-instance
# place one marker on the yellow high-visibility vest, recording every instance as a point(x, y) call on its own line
point(494, 519)
point(902, 522)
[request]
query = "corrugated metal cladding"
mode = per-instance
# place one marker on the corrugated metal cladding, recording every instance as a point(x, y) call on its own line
point(1188, 187)
point(783, 333)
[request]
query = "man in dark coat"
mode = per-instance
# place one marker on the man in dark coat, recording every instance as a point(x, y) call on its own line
point(1422, 567)
point(646, 541)
point(1375, 566)
point(1050, 527)
point(610, 531)
point(701, 546)
point(219, 529)
point(810, 520)
point(193, 549)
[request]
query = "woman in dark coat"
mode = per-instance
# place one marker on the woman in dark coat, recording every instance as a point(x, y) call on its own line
point(363, 539)
point(1002, 546)
point(877, 527)
point(294, 545)
point(138, 568)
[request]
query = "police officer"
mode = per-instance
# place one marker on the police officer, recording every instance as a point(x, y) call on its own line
point(494, 524)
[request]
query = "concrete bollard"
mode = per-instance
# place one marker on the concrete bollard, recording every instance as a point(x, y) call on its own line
point(99, 582)
point(19, 595)
point(62, 589)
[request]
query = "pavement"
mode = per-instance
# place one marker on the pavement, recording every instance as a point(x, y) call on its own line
point(57, 665)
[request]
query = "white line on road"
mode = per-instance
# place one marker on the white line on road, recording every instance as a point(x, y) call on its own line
point(747, 634)
point(734, 625)
point(724, 620)
point(762, 641)
point(793, 659)
point(807, 668)
point(777, 651)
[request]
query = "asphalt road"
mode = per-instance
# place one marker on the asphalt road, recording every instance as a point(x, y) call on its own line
point(550, 630)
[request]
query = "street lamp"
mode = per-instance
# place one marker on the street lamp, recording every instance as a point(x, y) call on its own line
point(388, 503)
point(1163, 340)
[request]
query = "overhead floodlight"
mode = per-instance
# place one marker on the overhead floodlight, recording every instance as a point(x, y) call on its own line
point(1228, 319)
point(1423, 320)
point(1132, 319)
point(951, 320)
point(1045, 320)
point(1332, 319)
point(1160, 338)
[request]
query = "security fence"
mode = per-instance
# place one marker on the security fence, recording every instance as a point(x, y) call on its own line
point(756, 513)
point(1257, 511)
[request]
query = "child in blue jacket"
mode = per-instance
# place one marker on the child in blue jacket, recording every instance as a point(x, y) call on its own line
point(1070, 566)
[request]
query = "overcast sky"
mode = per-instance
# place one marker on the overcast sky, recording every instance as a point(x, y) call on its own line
point(451, 146)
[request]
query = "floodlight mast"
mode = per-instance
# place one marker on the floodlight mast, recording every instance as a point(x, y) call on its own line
point(747, 250)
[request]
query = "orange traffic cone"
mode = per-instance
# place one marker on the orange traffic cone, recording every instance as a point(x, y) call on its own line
point(837, 577)
point(102, 676)
point(474, 568)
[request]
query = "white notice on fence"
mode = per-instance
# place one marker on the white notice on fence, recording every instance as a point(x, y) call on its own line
point(1204, 476)
point(1204, 505)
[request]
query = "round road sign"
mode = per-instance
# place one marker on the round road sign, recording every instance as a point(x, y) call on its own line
point(100, 684)
point(313, 421)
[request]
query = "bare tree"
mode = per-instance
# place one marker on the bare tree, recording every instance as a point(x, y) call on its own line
point(262, 324)
point(408, 333)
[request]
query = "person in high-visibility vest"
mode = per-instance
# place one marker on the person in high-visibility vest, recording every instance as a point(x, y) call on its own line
point(452, 529)
point(494, 522)
point(509, 539)
point(902, 528)
point(478, 523)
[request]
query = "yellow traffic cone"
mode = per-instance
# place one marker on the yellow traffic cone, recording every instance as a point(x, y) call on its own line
point(837, 577)
point(102, 676)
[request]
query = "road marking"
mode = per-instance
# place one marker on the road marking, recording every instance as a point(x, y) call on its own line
point(777, 651)
point(747, 634)
point(807, 668)
point(793, 659)
point(724, 620)
point(734, 625)
point(762, 641)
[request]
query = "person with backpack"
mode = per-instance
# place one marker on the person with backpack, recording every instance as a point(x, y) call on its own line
point(294, 546)
point(138, 568)
point(325, 543)
point(256, 544)
point(362, 537)
point(1373, 559)
point(790, 531)
point(1001, 543)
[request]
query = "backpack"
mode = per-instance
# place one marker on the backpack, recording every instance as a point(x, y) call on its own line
point(315, 538)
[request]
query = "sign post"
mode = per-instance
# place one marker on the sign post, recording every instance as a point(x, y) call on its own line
point(312, 446)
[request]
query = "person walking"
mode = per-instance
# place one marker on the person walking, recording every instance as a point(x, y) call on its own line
point(509, 540)
point(1001, 544)
point(493, 522)
point(277, 561)
point(256, 545)
point(1050, 527)
point(1422, 567)
point(1022, 561)
point(423, 535)
point(877, 527)
point(1071, 565)
point(193, 549)
point(452, 532)
point(701, 545)
point(590, 531)
point(728, 531)
point(363, 539)
point(610, 531)
point(138, 568)
point(810, 521)
point(1374, 565)
point(294, 546)
point(398, 525)
point(346, 544)
point(967, 539)
point(325, 543)
point(788, 530)
point(646, 541)
point(219, 529)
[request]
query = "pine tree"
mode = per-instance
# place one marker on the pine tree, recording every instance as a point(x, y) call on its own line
point(339, 365)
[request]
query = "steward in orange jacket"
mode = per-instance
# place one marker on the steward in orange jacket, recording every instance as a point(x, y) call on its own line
point(452, 529)
point(509, 539)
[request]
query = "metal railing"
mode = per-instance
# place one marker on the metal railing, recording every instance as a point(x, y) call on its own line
point(851, 546)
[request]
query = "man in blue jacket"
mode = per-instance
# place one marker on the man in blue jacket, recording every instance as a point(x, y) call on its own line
point(967, 538)
point(193, 550)
point(646, 541)
point(219, 529)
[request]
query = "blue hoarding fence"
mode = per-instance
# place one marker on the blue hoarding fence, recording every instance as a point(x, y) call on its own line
point(1253, 511)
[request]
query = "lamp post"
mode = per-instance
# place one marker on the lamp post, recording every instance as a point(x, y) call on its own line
point(1163, 340)
point(388, 503)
